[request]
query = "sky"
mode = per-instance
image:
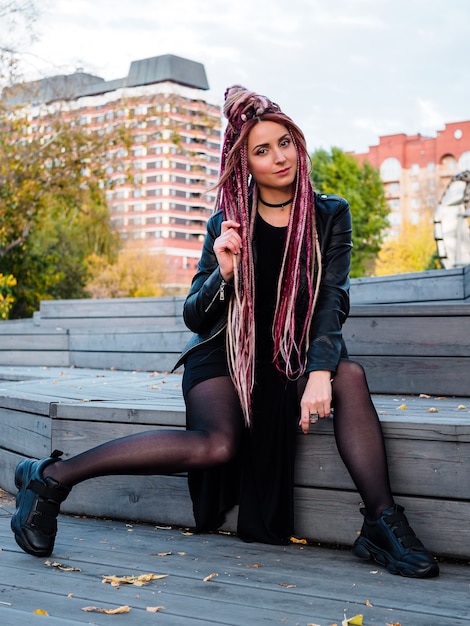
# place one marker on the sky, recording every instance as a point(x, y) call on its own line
point(347, 71)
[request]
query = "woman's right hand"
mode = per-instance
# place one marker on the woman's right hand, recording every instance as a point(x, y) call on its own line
point(226, 247)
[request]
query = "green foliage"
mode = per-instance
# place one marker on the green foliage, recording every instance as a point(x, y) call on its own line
point(339, 173)
point(53, 211)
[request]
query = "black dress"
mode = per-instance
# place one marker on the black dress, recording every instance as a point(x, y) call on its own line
point(261, 478)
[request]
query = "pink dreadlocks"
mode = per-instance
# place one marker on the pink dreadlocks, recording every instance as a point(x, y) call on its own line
point(243, 109)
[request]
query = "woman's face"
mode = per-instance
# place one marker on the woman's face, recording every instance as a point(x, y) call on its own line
point(272, 157)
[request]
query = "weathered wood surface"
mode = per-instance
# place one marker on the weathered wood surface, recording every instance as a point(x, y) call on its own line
point(106, 312)
point(254, 583)
point(75, 409)
point(452, 285)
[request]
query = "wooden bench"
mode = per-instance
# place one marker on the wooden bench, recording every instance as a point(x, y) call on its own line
point(405, 348)
point(74, 409)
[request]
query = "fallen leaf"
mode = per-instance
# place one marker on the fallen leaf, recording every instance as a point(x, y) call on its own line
point(423, 395)
point(286, 585)
point(402, 407)
point(353, 621)
point(97, 609)
point(154, 609)
point(295, 540)
point(369, 603)
point(63, 568)
point(255, 565)
point(138, 581)
point(182, 553)
point(393, 624)
point(161, 554)
point(70, 595)
point(461, 407)
point(210, 577)
point(40, 612)
point(432, 409)
point(186, 533)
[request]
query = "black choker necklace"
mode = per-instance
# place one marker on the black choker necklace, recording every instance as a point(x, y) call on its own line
point(275, 206)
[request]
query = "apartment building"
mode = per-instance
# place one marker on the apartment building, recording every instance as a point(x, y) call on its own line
point(416, 170)
point(165, 198)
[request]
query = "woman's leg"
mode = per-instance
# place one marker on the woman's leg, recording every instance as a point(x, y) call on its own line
point(359, 437)
point(386, 535)
point(212, 405)
point(213, 415)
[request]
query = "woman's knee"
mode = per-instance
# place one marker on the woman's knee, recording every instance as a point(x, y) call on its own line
point(221, 449)
point(350, 373)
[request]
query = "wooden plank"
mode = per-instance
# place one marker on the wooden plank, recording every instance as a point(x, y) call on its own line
point(36, 358)
point(326, 515)
point(410, 310)
point(427, 286)
point(407, 336)
point(416, 375)
point(142, 340)
point(148, 361)
point(110, 307)
point(26, 433)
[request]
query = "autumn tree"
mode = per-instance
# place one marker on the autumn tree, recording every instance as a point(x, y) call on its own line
point(413, 250)
point(337, 172)
point(135, 273)
point(53, 211)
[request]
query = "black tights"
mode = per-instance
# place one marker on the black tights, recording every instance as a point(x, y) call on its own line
point(215, 427)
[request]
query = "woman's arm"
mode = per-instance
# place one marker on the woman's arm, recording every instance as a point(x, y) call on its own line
point(211, 287)
point(326, 345)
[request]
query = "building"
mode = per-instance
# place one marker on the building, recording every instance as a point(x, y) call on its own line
point(174, 155)
point(416, 170)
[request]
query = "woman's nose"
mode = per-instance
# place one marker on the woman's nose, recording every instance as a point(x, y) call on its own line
point(279, 156)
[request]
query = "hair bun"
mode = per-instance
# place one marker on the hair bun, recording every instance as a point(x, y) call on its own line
point(242, 105)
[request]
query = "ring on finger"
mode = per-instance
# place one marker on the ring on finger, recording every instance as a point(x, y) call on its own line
point(314, 417)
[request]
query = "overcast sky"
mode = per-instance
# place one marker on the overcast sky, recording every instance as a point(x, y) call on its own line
point(347, 71)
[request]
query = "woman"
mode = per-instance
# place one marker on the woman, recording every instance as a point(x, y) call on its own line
point(266, 305)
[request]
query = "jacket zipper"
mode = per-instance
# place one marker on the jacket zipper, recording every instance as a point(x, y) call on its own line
point(220, 294)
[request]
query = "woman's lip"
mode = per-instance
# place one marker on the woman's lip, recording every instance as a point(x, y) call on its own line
point(286, 170)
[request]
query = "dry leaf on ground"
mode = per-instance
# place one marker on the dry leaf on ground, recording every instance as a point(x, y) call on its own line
point(353, 621)
point(210, 577)
point(154, 609)
point(97, 609)
point(138, 581)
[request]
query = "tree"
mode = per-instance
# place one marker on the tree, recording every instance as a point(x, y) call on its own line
point(135, 273)
point(53, 211)
point(414, 250)
point(16, 31)
point(339, 173)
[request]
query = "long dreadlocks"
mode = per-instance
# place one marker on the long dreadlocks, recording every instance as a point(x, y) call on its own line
point(301, 261)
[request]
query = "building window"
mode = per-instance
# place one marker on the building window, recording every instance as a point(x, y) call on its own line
point(414, 169)
point(390, 169)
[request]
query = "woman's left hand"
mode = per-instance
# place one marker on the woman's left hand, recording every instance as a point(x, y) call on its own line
point(316, 399)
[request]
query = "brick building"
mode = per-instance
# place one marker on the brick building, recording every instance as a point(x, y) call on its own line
point(416, 170)
point(174, 155)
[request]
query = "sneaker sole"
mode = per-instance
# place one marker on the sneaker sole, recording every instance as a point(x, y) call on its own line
point(364, 550)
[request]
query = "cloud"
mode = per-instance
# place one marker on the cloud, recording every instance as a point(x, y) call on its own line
point(347, 71)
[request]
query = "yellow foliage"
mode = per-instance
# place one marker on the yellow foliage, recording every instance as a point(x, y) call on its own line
point(6, 294)
point(410, 252)
point(136, 273)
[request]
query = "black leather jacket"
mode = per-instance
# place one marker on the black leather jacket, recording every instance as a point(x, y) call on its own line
point(205, 308)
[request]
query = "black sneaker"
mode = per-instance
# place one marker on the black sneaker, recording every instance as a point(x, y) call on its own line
point(37, 506)
point(391, 542)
